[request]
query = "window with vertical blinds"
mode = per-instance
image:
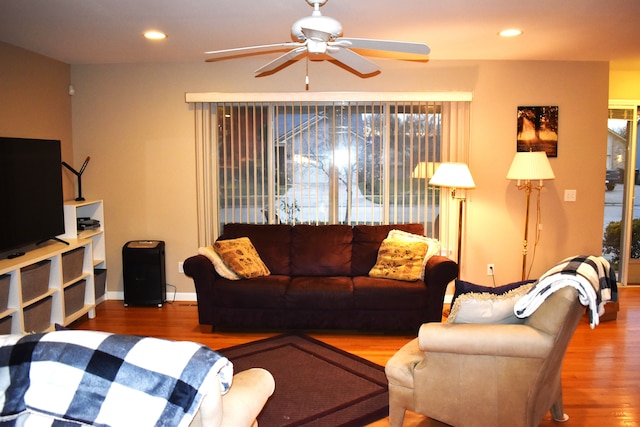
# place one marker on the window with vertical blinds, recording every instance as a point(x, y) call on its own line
point(323, 161)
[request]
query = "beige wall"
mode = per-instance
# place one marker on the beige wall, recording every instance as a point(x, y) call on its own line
point(624, 84)
point(133, 122)
point(35, 102)
point(496, 208)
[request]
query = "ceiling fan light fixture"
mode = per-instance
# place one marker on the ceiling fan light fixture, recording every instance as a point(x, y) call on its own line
point(155, 35)
point(510, 32)
point(317, 47)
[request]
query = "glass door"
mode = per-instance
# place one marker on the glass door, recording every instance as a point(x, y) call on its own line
point(621, 234)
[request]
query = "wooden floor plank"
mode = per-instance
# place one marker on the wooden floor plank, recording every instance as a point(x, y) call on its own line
point(601, 370)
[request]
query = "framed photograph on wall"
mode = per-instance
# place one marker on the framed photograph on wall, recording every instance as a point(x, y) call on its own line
point(538, 129)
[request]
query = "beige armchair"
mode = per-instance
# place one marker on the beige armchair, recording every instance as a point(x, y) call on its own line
point(486, 375)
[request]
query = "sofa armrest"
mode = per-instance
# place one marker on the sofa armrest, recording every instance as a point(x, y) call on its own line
point(201, 270)
point(484, 339)
point(246, 397)
point(439, 272)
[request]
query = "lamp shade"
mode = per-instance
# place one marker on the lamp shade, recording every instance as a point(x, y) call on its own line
point(455, 175)
point(530, 165)
point(424, 170)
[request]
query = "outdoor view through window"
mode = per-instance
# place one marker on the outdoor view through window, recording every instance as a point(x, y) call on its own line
point(327, 163)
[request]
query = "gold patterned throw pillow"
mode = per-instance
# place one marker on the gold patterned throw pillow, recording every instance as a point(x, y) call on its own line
point(240, 256)
point(221, 268)
point(433, 248)
point(400, 260)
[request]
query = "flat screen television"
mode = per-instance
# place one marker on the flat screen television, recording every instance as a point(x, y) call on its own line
point(31, 200)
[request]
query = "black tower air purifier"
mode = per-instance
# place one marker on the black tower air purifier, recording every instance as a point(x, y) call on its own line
point(144, 274)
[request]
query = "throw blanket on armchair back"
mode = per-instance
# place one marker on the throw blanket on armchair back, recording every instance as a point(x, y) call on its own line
point(69, 378)
point(592, 276)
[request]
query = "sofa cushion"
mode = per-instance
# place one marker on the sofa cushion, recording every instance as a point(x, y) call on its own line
point(258, 293)
point(321, 250)
point(241, 256)
point(372, 293)
point(323, 293)
point(367, 240)
point(272, 241)
point(400, 260)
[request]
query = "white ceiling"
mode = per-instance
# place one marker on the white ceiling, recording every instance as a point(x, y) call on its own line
point(110, 31)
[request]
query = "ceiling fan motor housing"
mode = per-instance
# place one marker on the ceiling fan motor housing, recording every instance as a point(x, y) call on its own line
point(324, 28)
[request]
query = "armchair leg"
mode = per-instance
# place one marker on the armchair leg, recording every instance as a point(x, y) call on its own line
point(557, 409)
point(400, 399)
point(396, 416)
point(557, 412)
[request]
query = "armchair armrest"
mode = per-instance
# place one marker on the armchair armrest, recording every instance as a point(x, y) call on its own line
point(246, 397)
point(485, 339)
point(242, 403)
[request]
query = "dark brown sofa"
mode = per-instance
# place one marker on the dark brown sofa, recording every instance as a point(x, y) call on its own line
point(319, 280)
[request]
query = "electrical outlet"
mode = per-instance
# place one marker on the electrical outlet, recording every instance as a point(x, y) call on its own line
point(491, 269)
point(180, 267)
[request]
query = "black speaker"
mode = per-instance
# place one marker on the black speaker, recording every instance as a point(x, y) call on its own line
point(144, 273)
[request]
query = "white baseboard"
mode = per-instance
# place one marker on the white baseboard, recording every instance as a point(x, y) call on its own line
point(191, 296)
point(179, 296)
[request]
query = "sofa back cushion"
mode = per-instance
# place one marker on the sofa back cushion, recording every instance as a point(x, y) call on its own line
point(272, 242)
point(367, 240)
point(321, 250)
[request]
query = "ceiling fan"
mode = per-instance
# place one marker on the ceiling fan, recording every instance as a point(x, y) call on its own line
point(319, 37)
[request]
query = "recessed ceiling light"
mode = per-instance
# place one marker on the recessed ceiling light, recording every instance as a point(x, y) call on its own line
point(155, 35)
point(511, 32)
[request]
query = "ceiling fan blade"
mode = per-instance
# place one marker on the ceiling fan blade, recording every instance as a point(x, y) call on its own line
point(388, 45)
point(354, 61)
point(281, 60)
point(239, 51)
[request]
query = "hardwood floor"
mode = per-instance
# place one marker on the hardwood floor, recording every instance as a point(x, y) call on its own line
point(601, 371)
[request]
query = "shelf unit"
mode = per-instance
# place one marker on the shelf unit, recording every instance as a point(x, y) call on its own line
point(93, 209)
point(52, 252)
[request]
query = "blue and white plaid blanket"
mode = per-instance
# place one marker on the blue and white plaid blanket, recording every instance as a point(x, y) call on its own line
point(592, 276)
point(71, 378)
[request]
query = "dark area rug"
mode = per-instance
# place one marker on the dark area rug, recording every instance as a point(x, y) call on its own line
point(316, 384)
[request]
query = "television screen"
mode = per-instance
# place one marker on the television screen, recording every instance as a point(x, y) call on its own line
point(31, 204)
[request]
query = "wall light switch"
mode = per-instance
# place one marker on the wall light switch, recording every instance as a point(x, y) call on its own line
point(570, 195)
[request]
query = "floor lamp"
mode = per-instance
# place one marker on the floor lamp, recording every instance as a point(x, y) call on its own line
point(527, 167)
point(454, 176)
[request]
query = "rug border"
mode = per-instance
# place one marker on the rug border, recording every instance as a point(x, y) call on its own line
point(360, 421)
point(307, 338)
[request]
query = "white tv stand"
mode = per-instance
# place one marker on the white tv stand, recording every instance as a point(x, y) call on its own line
point(12, 319)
